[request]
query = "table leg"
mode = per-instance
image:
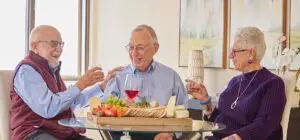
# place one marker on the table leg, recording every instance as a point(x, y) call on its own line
point(201, 135)
point(105, 135)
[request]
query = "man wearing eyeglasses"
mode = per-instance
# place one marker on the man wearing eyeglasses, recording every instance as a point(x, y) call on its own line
point(39, 97)
point(159, 82)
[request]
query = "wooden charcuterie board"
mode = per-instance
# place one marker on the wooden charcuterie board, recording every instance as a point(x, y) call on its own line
point(139, 121)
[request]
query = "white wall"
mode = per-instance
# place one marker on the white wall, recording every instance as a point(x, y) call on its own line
point(113, 21)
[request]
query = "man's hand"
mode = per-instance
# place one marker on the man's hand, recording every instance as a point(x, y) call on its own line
point(93, 76)
point(164, 136)
point(111, 74)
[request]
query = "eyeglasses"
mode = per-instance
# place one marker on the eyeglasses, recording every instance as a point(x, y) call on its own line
point(237, 51)
point(54, 43)
point(234, 51)
point(139, 48)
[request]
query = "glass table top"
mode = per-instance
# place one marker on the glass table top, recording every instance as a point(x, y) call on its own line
point(197, 126)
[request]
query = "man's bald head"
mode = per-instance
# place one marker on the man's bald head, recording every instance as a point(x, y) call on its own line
point(43, 32)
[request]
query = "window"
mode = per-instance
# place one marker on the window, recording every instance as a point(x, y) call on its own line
point(12, 29)
point(71, 19)
point(64, 15)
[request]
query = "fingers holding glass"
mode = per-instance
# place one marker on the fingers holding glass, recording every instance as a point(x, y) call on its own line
point(197, 90)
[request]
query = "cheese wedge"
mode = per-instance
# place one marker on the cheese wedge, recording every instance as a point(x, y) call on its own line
point(179, 107)
point(171, 107)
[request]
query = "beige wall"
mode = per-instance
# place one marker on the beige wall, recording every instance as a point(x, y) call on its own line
point(113, 20)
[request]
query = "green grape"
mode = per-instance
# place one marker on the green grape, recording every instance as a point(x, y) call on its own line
point(115, 102)
point(122, 103)
point(109, 101)
point(118, 103)
point(110, 97)
point(115, 98)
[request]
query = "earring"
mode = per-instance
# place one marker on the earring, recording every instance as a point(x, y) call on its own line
point(250, 60)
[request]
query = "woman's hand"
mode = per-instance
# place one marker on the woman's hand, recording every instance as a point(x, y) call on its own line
point(233, 137)
point(197, 90)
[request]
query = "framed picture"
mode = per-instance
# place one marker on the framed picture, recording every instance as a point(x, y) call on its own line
point(295, 32)
point(264, 14)
point(202, 28)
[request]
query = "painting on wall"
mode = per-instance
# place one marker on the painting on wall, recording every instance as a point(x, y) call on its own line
point(201, 28)
point(264, 14)
point(295, 33)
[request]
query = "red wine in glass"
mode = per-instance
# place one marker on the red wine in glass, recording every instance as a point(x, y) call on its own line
point(132, 86)
point(132, 94)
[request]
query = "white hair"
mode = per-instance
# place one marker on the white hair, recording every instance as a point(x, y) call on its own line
point(251, 37)
point(34, 34)
point(147, 28)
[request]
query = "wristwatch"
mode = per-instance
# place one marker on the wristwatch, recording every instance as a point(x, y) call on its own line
point(206, 102)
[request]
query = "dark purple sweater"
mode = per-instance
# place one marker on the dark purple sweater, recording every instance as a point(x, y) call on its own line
point(259, 110)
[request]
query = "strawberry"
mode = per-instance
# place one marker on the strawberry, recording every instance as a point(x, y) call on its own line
point(107, 113)
point(113, 112)
point(99, 113)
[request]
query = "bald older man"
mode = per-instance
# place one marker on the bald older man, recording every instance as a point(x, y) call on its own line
point(39, 96)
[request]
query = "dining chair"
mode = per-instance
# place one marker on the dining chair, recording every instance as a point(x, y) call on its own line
point(5, 81)
point(289, 82)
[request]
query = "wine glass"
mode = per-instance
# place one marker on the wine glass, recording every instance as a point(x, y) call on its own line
point(132, 86)
point(93, 66)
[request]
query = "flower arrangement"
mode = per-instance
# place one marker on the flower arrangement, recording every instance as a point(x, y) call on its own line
point(283, 56)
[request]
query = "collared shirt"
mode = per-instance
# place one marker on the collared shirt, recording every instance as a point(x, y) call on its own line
point(159, 83)
point(33, 90)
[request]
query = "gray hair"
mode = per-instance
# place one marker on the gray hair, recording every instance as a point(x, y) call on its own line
point(147, 28)
point(251, 37)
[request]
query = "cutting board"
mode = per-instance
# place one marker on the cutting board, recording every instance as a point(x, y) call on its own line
point(139, 121)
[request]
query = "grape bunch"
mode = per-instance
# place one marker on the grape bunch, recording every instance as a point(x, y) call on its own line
point(115, 101)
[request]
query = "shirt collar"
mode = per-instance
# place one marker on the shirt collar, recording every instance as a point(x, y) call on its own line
point(55, 68)
point(150, 68)
point(44, 62)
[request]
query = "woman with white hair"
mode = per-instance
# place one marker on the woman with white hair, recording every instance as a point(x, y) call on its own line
point(252, 104)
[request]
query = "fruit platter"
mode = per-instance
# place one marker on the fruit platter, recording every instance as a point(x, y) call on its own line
point(115, 111)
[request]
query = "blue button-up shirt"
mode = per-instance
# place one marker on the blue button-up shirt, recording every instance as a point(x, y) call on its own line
point(33, 90)
point(159, 83)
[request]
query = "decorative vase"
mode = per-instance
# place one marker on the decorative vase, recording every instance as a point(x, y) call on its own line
point(196, 65)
